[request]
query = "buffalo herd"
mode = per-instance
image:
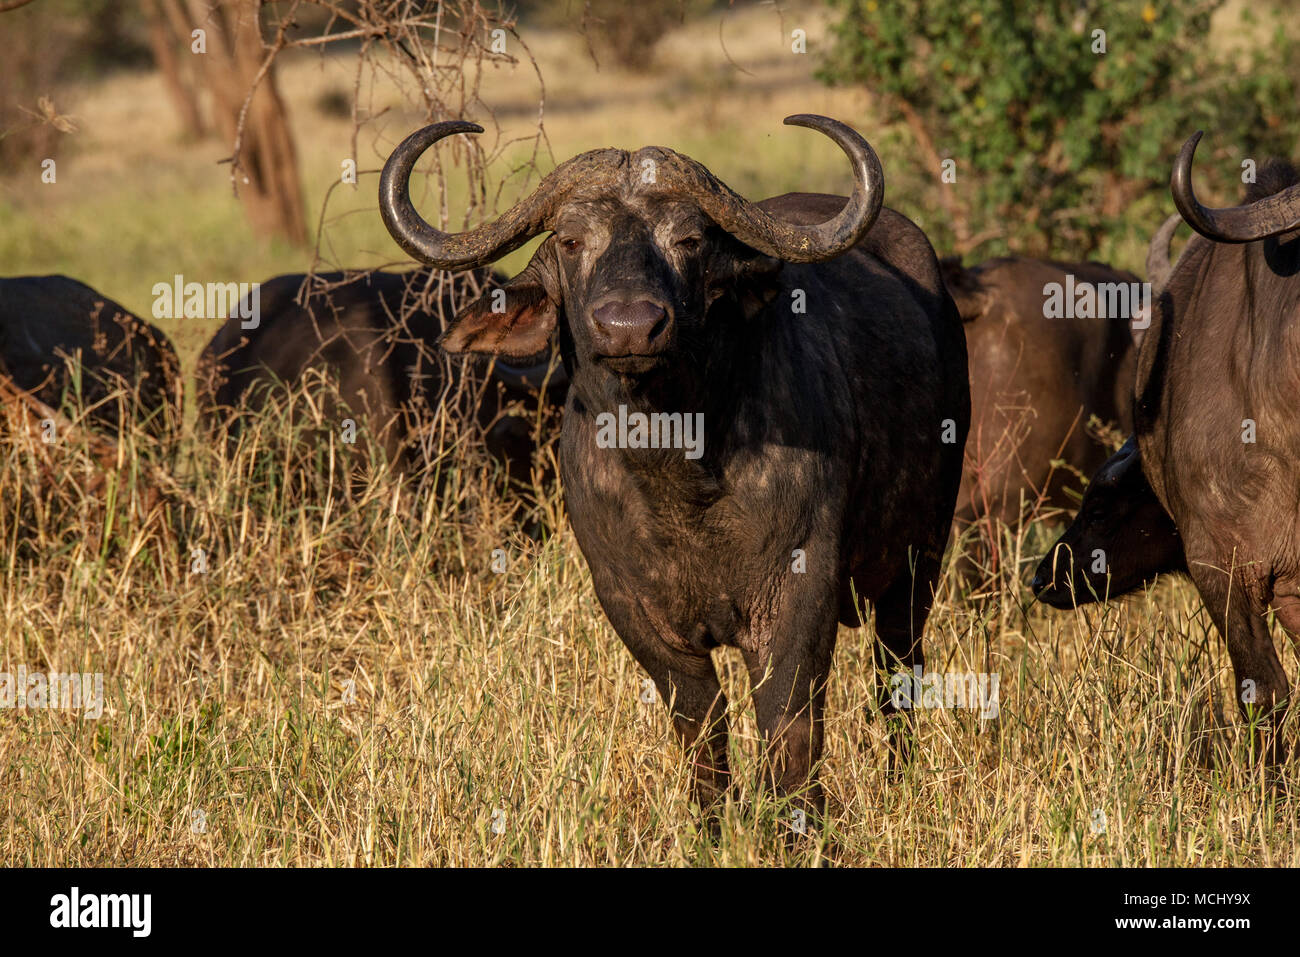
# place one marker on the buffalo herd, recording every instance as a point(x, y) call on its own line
point(374, 335)
point(772, 415)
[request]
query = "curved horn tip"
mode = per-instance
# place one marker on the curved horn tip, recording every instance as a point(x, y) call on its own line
point(1261, 219)
point(1180, 184)
point(812, 121)
point(403, 222)
point(426, 136)
point(826, 240)
point(1188, 149)
point(465, 126)
point(446, 128)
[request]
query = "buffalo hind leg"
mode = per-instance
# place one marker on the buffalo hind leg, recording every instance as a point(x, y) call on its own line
point(1261, 684)
point(901, 613)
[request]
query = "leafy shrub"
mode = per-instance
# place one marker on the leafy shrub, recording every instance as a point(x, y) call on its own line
point(1053, 139)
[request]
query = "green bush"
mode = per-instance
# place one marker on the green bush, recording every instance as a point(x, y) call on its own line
point(1054, 141)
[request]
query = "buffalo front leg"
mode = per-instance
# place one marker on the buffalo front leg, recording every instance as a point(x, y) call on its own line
point(688, 683)
point(789, 688)
point(1262, 687)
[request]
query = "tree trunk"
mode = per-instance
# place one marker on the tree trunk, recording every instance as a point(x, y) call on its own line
point(163, 43)
point(266, 168)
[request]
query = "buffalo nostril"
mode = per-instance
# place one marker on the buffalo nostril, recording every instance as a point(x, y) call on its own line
point(1038, 584)
point(659, 326)
point(631, 328)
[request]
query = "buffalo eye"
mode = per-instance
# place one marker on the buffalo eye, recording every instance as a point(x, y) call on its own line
point(571, 245)
point(688, 243)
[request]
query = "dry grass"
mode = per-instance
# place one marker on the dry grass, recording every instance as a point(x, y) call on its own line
point(352, 683)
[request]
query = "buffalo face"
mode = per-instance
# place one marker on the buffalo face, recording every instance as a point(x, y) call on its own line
point(633, 274)
point(1121, 539)
point(638, 277)
point(642, 245)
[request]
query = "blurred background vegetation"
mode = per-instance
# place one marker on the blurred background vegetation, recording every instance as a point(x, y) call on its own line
point(1058, 149)
point(1061, 116)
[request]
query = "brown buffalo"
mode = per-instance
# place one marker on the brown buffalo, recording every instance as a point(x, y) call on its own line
point(1218, 378)
point(764, 425)
point(1036, 381)
point(1122, 538)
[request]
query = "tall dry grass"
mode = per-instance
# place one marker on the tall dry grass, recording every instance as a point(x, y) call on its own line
point(351, 682)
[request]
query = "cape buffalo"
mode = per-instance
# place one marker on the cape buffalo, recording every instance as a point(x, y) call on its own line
point(767, 408)
point(1218, 376)
point(1121, 539)
point(125, 363)
point(375, 334)
point(1036, 379)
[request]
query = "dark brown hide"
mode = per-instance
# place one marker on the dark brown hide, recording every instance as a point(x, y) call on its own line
point(826, 390)
point(1219, 367)
point(1034, 383)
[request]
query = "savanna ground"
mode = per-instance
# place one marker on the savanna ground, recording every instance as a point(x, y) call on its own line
point(352, 683)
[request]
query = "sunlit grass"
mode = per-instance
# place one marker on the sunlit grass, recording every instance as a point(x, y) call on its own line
point(350, 682)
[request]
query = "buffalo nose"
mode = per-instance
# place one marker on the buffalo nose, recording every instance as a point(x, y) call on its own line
point(630, 328)
point(1039, 583)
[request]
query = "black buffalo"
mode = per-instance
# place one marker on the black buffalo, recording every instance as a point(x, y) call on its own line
point(812, 343)
point(1121, 539)
point(61, 341)
point(374, 335)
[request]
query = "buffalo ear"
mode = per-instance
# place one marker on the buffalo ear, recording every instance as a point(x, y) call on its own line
point(964, 286)
point(1114, 469)
point(514, 319)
